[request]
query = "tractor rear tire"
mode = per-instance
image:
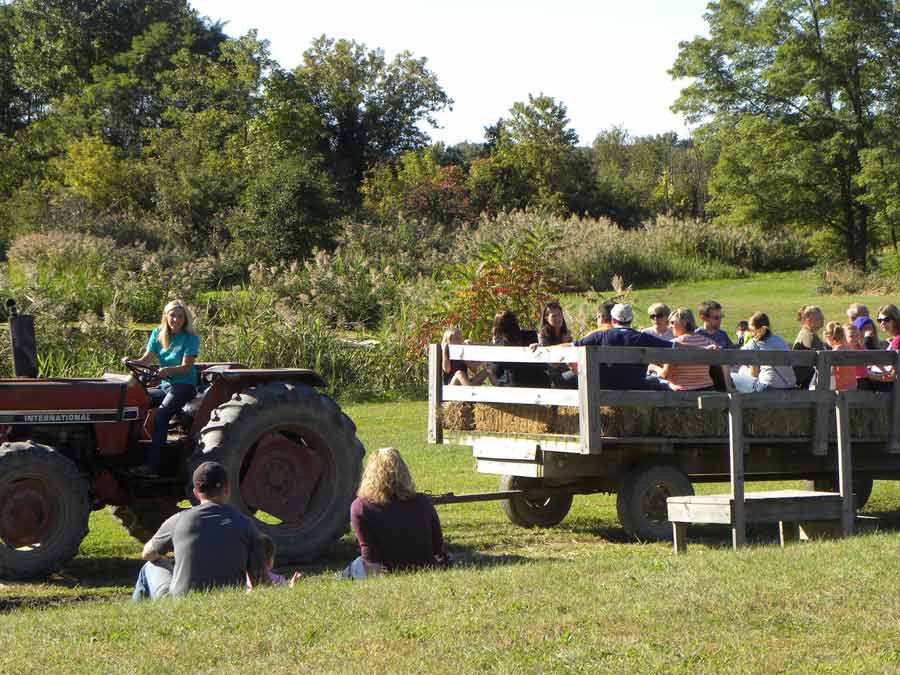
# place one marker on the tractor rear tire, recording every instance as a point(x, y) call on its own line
point(641, 499)
point(44, 510)
point(273, 438)
point(524, 512)
point(142, 519)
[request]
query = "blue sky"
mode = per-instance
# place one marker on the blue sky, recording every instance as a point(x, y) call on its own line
point(605, 60)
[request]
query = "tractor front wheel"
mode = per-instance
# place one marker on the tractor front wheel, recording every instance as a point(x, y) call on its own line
point(44, 510)
point(293, 461)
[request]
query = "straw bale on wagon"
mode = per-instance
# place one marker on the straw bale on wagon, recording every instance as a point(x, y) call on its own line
point(514, 418)
point(457, 416)
point(567, 421)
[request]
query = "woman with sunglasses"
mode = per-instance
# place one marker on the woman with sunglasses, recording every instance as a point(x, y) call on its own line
point(882, 378)
point(659, 315)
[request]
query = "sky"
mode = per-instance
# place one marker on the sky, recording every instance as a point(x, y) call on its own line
point(605, 60)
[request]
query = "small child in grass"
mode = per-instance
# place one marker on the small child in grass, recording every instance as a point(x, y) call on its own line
point(274, 579)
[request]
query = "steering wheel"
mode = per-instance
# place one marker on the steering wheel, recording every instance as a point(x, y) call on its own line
point(142, 372)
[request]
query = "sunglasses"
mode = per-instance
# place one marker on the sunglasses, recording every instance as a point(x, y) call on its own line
point(658, 316)
point(884, 319)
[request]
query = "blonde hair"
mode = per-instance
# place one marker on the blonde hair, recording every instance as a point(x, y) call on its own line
point(808, 311)
point(163, 335)
point(760, 327)
point(835, 331)
point(683, 314)
point(891, 312)
point(386, 478)
point(449, 333)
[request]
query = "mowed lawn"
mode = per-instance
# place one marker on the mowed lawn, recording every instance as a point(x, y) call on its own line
point(779, 295)
point(580, 597)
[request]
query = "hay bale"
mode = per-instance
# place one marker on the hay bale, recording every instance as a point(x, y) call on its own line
point(566, 420)
point(630, 421)
point(457, 416)
point(680, 423)
point(514, 418)
point(778, 422)
point(867, 422)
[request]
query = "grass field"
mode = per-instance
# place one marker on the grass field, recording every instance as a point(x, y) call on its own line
point(577, 598)
point(779, 295)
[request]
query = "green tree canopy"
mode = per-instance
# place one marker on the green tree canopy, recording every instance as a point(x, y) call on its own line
point(797, 88)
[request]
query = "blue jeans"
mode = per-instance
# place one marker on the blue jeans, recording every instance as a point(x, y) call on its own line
point(153, 580)
point(170, 401)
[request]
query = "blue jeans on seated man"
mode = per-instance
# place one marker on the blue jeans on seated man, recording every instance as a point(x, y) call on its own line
point(170, 400)
point(153, 580)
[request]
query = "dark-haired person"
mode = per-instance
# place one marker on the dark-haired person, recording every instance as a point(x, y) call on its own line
point(215, 545)
point(760, 378)
point(868, 332)
point(711, 316)
point(554, 331)
point(506, 332)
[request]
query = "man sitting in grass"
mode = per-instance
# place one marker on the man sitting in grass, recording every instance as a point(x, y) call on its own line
point(215, 545)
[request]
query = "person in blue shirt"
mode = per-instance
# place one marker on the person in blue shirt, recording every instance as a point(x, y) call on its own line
point(174, 345)
point(711, 315)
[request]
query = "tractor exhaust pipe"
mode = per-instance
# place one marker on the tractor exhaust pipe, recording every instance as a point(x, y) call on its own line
point(24, 346)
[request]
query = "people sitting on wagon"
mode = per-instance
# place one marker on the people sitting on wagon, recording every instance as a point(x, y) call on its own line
point(625, 375)
point(659, 314)
point(881, 378)
point(711, 316)
point(396, 527)
point(868, 332)
point(811, 321)
point(760, 378)
point(604, 316)
point(686, 376)
point(856, 310)
point(457, 372)
point(843, 377)
point(853, 339)
point(554, 331)
point(506, 332)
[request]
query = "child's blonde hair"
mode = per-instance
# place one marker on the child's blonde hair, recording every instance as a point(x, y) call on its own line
point(834, 331)
point(449, 333)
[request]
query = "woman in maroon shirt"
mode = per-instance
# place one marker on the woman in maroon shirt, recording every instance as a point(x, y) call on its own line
point(397, 528)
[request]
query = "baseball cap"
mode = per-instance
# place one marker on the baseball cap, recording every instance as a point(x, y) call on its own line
point(862, 321)
point(209, 477)
point(622, 313)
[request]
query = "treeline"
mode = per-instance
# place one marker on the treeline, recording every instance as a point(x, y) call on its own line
point(143, 121)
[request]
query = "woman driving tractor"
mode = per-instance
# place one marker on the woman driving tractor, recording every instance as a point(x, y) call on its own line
point(174, 345)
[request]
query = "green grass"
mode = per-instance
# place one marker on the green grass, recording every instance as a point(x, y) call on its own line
point(575, 598)
point(580, 597)
point(778, 294)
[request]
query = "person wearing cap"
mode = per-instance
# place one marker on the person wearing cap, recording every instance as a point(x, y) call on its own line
point(625, 375)
point(215, 545)
point(659, 314)
point(868, 332)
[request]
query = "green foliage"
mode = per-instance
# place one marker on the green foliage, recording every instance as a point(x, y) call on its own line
point(797, 91)
point(94, 172)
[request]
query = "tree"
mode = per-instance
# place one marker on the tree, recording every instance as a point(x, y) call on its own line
point(369, 110)
point(797, 87)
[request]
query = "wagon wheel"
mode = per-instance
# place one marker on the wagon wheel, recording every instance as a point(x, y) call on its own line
point(641, 499)
point(545, 512)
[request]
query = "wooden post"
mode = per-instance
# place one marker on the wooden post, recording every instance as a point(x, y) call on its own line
point(679, 537)
point(788, 533)
point(894, 437)
point(435, 389)
point(588, 410)
point(845, 468)
point(823, 410)
point(736, 451)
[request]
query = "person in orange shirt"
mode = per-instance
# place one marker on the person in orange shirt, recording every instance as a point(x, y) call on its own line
point(844, 376)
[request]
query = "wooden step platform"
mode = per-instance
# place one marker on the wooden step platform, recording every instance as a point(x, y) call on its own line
point(791, 509)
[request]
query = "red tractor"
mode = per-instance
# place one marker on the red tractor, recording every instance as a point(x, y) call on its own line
point(292, 455)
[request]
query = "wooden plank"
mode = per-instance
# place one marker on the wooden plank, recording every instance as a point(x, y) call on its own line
point(788, 533)
point(845, 465)
point(774, 510)
point(688, 512)
point(736, 456)
point(588, 405)
point(772, 398)
point(679, 537)
point(522, 395)
point(482, 450)
point(526, 469)
point(819, 529)
point(821, 423)
point(435, 386)
point(894, 435)
point(497, 354)
point(547, 442)
point(860, 357)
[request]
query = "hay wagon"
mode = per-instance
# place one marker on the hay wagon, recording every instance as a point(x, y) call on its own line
point(547, 445)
